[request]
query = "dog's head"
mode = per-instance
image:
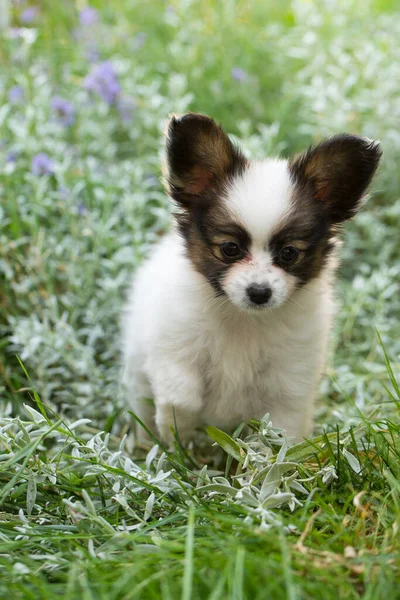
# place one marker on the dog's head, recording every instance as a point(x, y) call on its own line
point(259, 230)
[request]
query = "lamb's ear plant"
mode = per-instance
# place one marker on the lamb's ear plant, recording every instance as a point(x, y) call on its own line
point(73, 495)
point(83, 98)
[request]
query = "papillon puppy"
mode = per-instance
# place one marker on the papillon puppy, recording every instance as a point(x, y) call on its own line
point(229, 318)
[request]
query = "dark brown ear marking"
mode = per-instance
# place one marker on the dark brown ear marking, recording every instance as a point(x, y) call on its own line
point(200, 156)
point(337, 172)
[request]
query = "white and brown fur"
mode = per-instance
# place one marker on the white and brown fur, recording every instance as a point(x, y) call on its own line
point(194, 340)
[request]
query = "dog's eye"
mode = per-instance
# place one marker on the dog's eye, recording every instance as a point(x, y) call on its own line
point(230, 250)
point(288, 254)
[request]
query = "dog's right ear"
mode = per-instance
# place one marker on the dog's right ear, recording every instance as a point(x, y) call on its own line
point(200, 158)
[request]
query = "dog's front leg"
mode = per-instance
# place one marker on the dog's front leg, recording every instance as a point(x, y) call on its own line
point(178, 399)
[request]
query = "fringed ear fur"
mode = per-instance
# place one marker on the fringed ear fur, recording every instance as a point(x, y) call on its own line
point(338, 172)
point(199, 157)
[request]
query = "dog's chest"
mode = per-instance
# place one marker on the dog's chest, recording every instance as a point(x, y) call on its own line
point(236, 369)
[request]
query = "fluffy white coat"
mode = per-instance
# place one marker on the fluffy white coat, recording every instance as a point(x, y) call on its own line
point(206, 360)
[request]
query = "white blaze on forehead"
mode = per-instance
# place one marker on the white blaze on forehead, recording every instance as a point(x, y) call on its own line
point(260, 198)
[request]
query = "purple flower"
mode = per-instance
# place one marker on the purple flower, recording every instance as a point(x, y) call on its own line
point(29, 14)
point(64, 192)
point(12, 156)
point(126, 108)
point(92, 53)
point(103, 81)
point(239, 74)
point(42, 164)
point(88, 16)
point(15, 33)
point(82, 210)
point(15, 94)
point(64, 110)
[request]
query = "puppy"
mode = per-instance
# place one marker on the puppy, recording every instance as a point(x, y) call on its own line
point(230, 317)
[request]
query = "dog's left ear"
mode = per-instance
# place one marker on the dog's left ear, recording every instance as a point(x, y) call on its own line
point(337, 172)
point(199, 158)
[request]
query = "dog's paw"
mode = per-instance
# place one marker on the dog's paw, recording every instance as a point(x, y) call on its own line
point(170, 419)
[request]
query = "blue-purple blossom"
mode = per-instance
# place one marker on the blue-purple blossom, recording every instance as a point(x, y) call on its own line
point(82, 210)
point(126, 108)
point(12, 156)
point(88, 43)
point(88, 16)
point(29, 14)
point(64, 110)
point(103, 80)
point(64, 192)
point(15, 94)
point(42, 164)
point(92, 52)
point(15, 33)
point(239, 74)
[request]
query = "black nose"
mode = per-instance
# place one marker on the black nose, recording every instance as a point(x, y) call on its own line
point(259, 294)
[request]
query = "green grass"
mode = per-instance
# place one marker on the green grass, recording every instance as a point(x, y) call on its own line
point(82, 514)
